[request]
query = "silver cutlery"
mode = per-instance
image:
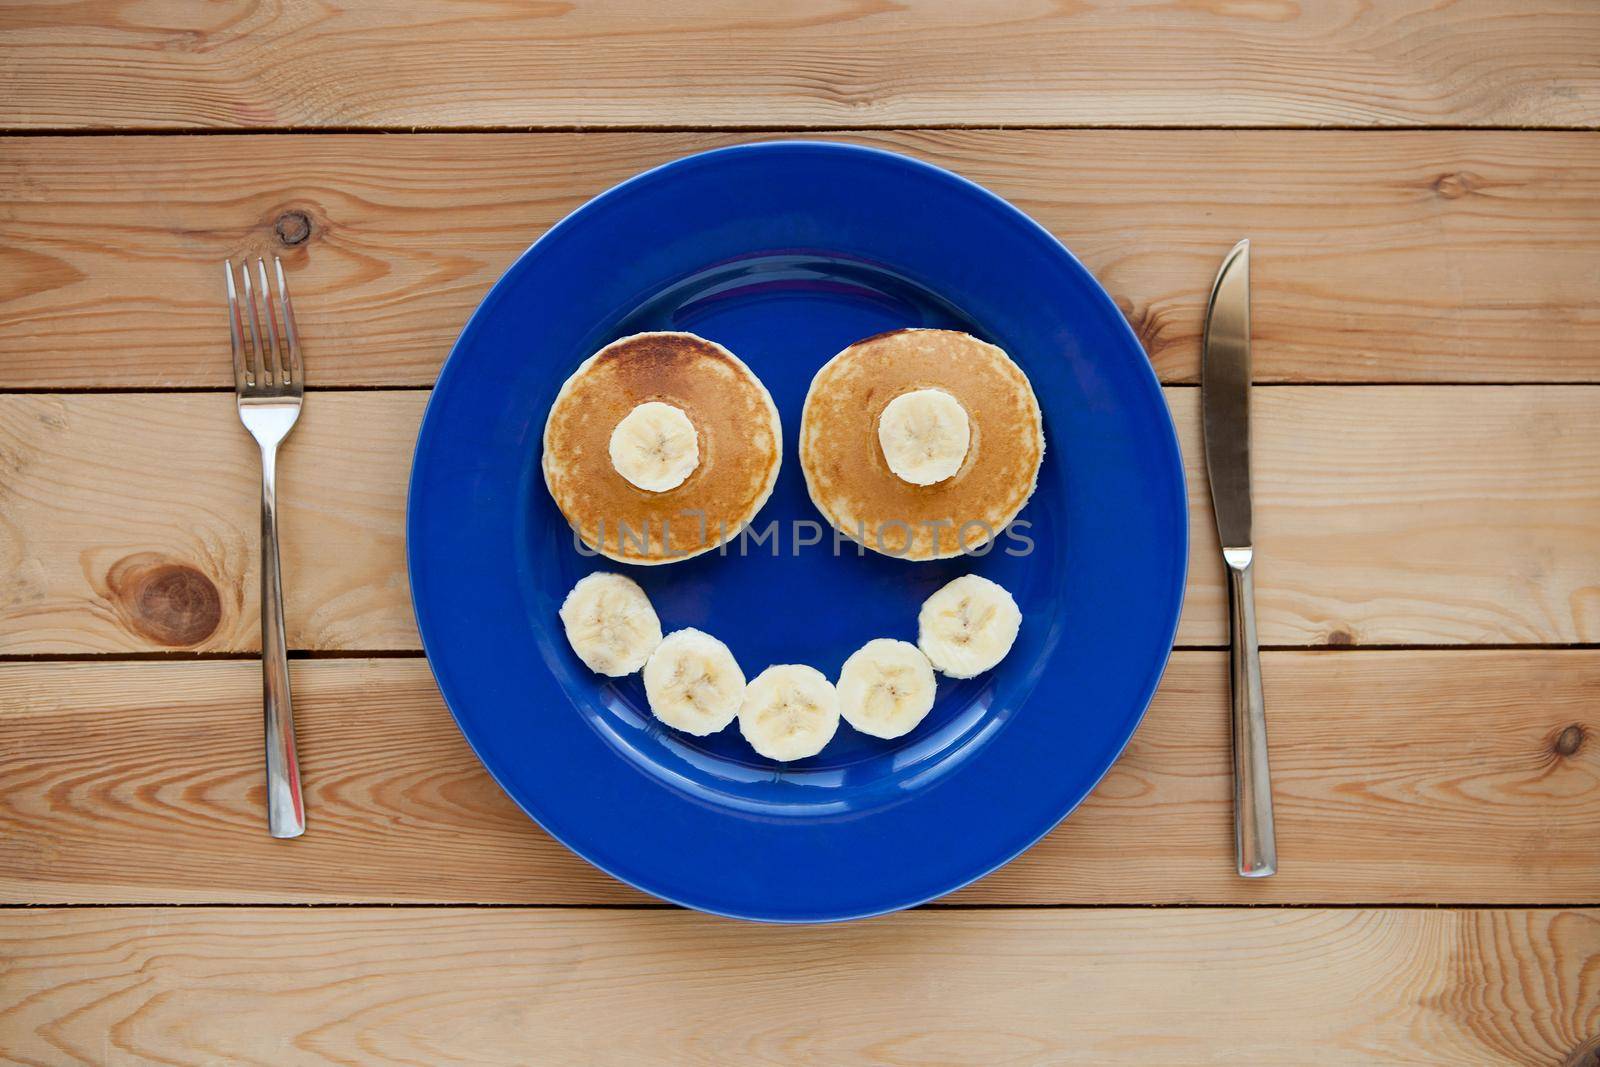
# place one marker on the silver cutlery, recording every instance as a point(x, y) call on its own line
point(269, 382)
point(1225, 409)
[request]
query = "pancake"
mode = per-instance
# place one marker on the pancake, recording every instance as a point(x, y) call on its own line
point(735, 431)
point(850, 479)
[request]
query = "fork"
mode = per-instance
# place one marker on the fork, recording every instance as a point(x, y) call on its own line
point(270, 385)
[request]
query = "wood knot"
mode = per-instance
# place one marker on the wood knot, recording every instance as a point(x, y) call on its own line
point(293, 227)
point(185, 41)
point(1149, 323)
point(1569, 741)
point(1455, 186)
point(1585, 1055)
point(169, 603)
point(1341, 638)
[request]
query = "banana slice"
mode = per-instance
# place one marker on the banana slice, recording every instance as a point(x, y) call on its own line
point(693, 683)
point(789, 712)
point(610, 624)
point(886, 688)
point(655, 447)
point(924, 435)
point(968, 626)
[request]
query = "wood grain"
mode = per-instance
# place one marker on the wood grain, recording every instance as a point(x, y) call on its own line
point(1405, 256)
point(1386, 515)
point(170, 65)
point(1400, 777)
point(1102, 986)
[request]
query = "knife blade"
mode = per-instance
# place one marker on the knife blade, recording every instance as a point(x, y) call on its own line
point(1225, 397)
point(1225, 418)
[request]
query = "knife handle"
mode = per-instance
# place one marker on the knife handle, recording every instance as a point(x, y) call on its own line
point(1253, 835)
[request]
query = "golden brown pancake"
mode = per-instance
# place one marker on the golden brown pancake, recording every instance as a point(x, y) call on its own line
point(738, 433)
point(849, 479)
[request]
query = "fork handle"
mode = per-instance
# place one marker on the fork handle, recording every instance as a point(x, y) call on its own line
point(1254, 840)
point(286, 812)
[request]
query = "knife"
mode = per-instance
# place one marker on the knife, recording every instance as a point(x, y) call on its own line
point(1225, 414)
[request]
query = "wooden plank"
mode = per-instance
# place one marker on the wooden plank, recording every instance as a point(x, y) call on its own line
point(170, 65)
point(1434, 256)
point(266, 986)
point(130, 523)
point(1385, 515)
point(1400, 777)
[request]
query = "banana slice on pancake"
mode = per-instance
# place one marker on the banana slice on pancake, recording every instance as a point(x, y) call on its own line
point(924, 434)
point(655, 447)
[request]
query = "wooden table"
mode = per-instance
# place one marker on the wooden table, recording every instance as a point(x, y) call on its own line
point(1422, 185)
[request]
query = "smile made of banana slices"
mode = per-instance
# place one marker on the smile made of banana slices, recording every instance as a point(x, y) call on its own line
point(693, 682)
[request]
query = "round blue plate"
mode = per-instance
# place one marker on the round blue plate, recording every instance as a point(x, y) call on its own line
point(786, 253)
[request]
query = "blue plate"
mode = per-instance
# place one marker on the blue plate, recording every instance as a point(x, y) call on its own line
point(786, 253)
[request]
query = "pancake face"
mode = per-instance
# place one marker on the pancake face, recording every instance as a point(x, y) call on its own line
point(736, 431)
point(850, 480)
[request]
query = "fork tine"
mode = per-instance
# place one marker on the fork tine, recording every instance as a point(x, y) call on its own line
point(274, 359)
point(259, 367)
point(291, 336)
point(241, 377)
